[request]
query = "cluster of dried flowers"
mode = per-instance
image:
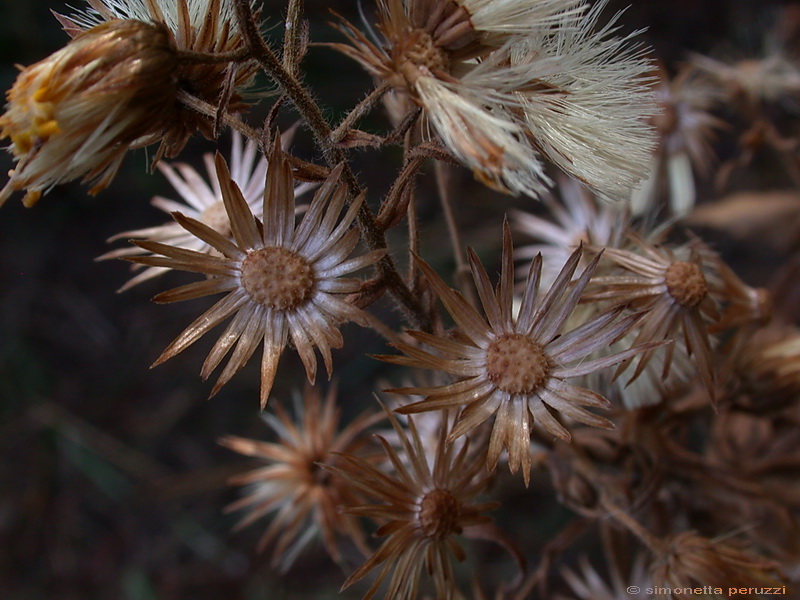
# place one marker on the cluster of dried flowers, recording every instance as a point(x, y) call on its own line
point(618, 362)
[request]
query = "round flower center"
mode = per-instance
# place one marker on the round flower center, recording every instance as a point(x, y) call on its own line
point(216, 217)
point(418, 55)
point(517, 364)
point(686, 283)
point(438, 514)
point(277, 277)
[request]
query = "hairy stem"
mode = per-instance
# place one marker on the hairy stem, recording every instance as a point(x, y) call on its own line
point(210, 110)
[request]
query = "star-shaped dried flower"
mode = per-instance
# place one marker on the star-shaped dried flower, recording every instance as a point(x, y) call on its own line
point(679, 291)
point(578, 218)
point(423, 508)
point(304, 497)
point(203, 202)
point(280, 280)
point(516, 369)
point(502, 81)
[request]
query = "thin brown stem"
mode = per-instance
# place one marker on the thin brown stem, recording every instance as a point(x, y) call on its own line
point(360, 109)
point(623, 518)
point(443, 185)
point(319, 126)
point(411, 215)
point(190, 56)
point(291, 39)
point(212, 111)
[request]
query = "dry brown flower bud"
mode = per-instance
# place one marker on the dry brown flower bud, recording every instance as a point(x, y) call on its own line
point(77, 112)
point(691, 559)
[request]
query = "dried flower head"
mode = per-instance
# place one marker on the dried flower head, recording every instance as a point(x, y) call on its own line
point(202, 201)
point(280, 280)
point(199, 27)
point(77, 112)
point(686, 128)
point(586, 101)
point(579, 218)
point(769, 366)
point(423, 508)
point(690, 560)
point(679, 291)
point(753, 82)
point(516, 369)
point(303, 496)
point(501, 81)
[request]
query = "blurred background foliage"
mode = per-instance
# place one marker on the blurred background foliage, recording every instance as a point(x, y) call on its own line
point(112, 485)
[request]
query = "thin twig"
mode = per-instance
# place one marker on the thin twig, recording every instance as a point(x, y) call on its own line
point(360, 109)
point(190, 56)
point(291, 39)
point(210, 110)
point(463, 280)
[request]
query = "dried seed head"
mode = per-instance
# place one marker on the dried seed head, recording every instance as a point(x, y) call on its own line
point(691, 559)
point(277, 277)
point(516, 364)
point(194, 27)
point(76, 113)
point(439, 513)
point(686, 283)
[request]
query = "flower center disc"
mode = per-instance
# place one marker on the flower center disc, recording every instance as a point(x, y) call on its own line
point(216, 217)
point(418, 55)
point(438, 514)
point(277, 277)
point(686, 283)
point(517, 364)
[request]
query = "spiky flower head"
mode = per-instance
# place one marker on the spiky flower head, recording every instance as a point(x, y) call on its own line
point(423, 507)
point(769, 367)
point(501, 81)
point(200, 27)
point(576, 217)
point(686, 129)
point(280, 280)
point(678, 290)
point(77, 112)
point(516, 369)
point(202, 201)
point(689, 559)
point(303, 497)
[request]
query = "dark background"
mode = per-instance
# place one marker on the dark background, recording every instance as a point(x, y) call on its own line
point(111, 482)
